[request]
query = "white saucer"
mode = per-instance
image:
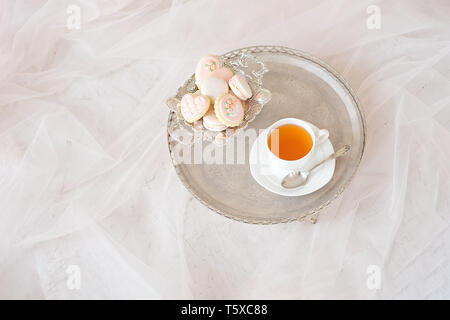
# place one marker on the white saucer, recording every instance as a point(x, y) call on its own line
point(270, 178)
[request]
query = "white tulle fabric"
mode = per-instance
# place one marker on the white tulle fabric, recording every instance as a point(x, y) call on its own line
point(86, 179)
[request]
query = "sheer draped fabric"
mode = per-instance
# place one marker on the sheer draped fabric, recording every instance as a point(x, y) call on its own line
point(86, 179)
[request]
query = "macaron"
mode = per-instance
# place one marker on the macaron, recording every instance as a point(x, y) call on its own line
point(240, 87)
point(222, 73)
point(205, 66)
point(214, 87)
point(229, 109)
point(211, 122)
point(193, 106)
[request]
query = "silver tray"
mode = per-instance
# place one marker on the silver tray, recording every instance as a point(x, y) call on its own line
point(302, 87)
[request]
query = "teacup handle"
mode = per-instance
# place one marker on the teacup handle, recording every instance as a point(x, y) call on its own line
point(322, 135)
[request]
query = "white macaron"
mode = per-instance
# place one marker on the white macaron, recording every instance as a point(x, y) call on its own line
point(240, 87)
point(211, 122)
point(214, 87)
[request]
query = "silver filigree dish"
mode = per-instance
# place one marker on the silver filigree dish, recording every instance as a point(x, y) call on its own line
point(246, 64)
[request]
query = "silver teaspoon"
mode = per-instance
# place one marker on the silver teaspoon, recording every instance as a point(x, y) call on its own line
point(296, 179)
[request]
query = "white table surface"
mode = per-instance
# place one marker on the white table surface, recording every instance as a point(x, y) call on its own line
point(86, 182)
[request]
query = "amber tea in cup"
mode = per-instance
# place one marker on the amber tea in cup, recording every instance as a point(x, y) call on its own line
point(290, 142)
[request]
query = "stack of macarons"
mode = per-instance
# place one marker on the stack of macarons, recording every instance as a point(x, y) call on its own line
point(221, 99)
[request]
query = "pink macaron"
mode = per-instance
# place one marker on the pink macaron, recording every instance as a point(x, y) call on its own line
point(240, 87)
point(223, 73)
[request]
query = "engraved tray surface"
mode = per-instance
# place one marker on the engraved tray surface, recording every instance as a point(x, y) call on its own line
point(302, 87)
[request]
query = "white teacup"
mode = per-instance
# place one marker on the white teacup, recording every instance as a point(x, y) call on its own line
point(317, 137)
